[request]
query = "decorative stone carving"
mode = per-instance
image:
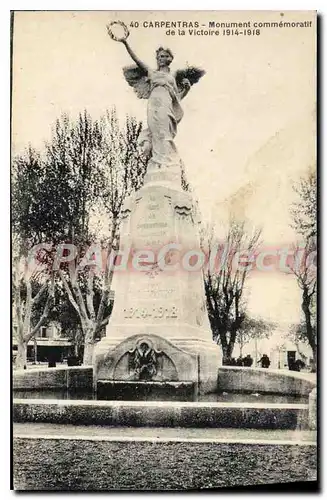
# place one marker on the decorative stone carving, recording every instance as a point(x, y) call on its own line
point(147, 357)
point(125, 213)
point(183, 212)
point(153, 271)
point(144, 360)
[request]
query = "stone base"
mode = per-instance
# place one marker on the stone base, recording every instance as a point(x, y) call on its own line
point(159, 327)
point(179, 359)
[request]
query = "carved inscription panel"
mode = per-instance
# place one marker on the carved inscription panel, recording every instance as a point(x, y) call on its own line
point(152, 221)
point(157, 312)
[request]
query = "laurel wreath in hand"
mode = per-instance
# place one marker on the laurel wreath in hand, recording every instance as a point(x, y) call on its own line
point(111, 33)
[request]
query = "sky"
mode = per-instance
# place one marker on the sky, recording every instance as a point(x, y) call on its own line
point(248, 131)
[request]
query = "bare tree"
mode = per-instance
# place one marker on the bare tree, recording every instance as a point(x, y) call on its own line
point(32, 284)
point(225, 283)
point(304, 214)
point(87, 170)
point(119, 170)
point(306, 277)
point(304, 209)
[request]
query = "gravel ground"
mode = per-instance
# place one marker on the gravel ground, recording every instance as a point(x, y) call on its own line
point(68, 465)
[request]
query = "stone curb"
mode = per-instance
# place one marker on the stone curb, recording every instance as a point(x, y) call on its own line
point(167, 414)
point(159, 404)
point(117, 439)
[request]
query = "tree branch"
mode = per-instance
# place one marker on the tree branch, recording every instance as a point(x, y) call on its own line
point(90, 295)
point(102, 324)
point(107, 276)
point(69, 293)
point(39, 293)
point(45, 314)
point(28, 307)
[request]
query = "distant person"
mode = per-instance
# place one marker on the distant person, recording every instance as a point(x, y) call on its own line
point(52, 360)
point(239, 361)
point(291, 365)
point(229, 361)
point(73, 361)
point(296, 366)
point(248, 360)
point(265, 361)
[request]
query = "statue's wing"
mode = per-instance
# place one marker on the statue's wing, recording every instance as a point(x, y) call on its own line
point(139, 80)
point(192, 73)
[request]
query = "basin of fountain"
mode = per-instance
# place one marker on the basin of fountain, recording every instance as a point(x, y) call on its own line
point(121, 393)
point(247, 398)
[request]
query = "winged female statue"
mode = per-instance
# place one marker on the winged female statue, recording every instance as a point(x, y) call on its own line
point(164, 93)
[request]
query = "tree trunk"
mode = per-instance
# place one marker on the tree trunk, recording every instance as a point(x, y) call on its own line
point(227, 350)
point(306, 302)
point(241, 343)
point(21, 359)
point(88, 344)
point(35, 350)
point(230, 348)
point(314, 352)
point(88, 353)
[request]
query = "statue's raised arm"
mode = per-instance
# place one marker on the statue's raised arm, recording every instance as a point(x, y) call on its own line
point(136, 76)
point(138, 61)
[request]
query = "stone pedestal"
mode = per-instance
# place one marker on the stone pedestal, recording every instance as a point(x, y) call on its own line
point(158, 283)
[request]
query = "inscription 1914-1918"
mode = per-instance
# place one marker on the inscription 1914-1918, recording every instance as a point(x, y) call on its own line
point(153, 312)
